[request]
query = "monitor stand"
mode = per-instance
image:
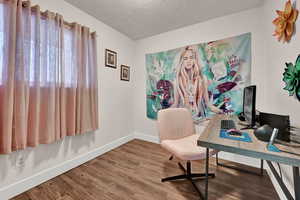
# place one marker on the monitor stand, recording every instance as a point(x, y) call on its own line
point(248, 127)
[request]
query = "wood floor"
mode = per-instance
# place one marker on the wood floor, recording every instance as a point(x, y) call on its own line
point(133, 171)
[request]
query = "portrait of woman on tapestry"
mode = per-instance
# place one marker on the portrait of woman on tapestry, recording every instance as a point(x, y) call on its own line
point(191, 86)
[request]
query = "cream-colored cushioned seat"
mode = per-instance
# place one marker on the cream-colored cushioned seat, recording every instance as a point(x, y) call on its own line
point(185, 148)
point(178, 136)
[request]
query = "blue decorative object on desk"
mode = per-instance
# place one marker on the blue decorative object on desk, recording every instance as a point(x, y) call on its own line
point(272, 147)
point(244, 137)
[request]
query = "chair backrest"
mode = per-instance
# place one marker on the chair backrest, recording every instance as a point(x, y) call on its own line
point(175, 123)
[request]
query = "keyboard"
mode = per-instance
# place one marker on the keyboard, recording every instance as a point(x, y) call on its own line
point(227, 124)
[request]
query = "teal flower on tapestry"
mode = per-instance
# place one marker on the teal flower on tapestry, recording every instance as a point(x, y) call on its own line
point(291, 77)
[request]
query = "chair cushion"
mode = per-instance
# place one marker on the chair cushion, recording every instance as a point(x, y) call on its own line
point(186, 148)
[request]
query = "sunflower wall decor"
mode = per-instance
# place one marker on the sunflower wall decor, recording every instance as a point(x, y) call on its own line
point(285, 22)
point(291, 77)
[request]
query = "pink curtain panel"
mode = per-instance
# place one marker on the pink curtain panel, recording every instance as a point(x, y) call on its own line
point(48, 77)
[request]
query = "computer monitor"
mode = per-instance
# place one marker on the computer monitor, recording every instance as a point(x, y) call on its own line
point(249, 105)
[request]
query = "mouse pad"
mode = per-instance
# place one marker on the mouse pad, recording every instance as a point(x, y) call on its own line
point(244, 137)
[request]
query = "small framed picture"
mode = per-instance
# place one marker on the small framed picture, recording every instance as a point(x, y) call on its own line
point(110, 58)
point(125, 73)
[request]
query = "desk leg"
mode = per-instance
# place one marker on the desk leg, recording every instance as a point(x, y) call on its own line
point(279, 180)
point(206, 174)
point(296, 182)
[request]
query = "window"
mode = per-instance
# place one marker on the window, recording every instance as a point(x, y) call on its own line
point(46, 47)
point(48, 77)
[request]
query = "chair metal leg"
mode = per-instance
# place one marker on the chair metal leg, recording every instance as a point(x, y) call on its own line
point(188, 168)
point(190, 176)
point(184, 176)
point(181, 167)
point(212, 175)
point(173, 178)
point(196, 188)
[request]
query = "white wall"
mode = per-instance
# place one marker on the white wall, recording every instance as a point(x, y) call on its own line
point(277, 54)
point(268, 62)
point(115, 104)
point(219, 28)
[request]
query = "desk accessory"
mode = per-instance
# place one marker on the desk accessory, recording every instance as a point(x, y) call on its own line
point(271, 146)
point(241, 117)
point(244, 137)
point(234, 132)
point(227, 124)
point(263, 133)
point(281, 122)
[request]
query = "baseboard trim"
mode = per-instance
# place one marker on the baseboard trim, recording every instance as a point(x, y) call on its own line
point(32, 181)
point(148, 138)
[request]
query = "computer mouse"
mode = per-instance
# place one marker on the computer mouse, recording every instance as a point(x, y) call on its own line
point(234, 132)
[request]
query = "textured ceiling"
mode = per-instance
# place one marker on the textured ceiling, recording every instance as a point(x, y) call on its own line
point(143, 18)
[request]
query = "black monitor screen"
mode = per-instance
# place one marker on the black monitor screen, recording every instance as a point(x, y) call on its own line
point(249, 104)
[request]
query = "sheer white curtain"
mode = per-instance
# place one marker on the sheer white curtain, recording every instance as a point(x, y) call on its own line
point(48, 77)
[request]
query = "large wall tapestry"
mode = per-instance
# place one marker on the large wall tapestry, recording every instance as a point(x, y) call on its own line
point(206, 78)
